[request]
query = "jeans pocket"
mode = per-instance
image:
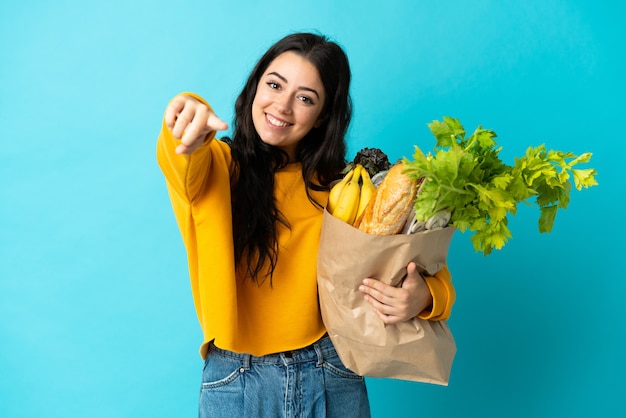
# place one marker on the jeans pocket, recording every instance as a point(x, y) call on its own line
point(220, 372)
point(335, 366)
point(222, 391)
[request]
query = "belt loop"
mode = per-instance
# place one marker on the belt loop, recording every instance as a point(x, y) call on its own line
point(320, 355)
point(246, 361)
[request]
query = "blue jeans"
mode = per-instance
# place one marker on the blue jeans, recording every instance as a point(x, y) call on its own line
point(311, 382)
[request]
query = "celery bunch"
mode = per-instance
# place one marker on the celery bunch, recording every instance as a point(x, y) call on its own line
point(465, 177)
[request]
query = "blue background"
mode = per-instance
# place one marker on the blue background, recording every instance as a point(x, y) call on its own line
point(96, 316)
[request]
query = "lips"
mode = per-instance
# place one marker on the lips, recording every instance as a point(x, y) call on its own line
point(276, 122)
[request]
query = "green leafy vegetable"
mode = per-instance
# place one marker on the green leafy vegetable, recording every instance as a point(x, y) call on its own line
point(466, 177)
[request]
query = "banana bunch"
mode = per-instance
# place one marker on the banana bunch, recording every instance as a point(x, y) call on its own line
point(348, 199)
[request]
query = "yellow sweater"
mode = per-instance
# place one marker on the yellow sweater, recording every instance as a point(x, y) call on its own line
point(238, 314)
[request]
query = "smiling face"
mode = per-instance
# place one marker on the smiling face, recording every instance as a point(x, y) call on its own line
point(288, 103)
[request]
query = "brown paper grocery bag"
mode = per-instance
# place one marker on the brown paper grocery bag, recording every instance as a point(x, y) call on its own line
point(416, 350)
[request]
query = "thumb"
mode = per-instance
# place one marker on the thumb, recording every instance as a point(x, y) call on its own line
point(412, 275)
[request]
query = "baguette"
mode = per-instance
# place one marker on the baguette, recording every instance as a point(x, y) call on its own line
point(391, 205)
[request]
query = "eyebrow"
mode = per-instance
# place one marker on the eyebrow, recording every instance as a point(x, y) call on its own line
point(274, 73)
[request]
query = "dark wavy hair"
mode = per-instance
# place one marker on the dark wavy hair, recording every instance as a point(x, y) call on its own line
point(322, 152)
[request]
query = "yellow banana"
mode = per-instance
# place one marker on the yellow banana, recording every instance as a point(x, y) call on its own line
point(335, 192)
point(367, 192)
point(349, 200)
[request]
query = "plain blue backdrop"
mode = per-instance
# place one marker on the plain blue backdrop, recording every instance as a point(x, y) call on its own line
point(96, 315)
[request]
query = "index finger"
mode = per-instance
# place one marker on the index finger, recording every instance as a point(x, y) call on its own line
point(203, 123)
point(377, 288)
point(215, 124)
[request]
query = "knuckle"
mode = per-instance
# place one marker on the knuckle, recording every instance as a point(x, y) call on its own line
point(183, 120)
point(404, 295)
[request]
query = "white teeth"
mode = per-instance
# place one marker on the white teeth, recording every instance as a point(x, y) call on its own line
point(276, 122)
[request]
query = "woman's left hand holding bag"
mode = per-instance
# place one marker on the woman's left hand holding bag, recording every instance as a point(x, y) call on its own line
point(397, 304)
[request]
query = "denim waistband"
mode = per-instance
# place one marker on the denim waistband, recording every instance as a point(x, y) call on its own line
point(322, 348)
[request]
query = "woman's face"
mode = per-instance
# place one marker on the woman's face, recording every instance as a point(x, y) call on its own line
point(288, 102)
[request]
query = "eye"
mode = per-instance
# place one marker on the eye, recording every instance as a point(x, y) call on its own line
point(306, 99)
point(273, 85)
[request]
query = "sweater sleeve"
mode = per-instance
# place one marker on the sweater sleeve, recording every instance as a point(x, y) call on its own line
point(443, 293)
point(199, 188)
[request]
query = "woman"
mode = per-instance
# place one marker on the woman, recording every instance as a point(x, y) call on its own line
point(250, 214)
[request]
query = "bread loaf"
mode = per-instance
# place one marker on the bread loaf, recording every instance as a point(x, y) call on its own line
point(391, 205)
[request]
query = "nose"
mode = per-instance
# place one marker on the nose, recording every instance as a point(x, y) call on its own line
point(283, 104)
